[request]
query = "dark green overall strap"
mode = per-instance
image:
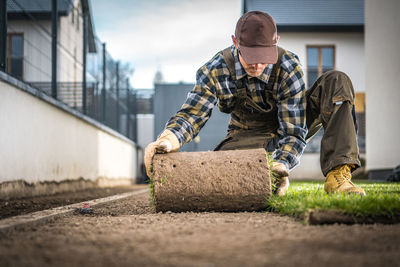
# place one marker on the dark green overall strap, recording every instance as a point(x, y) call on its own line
point(230, 61)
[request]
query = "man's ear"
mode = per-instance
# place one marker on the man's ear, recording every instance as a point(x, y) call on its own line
point(234, 41)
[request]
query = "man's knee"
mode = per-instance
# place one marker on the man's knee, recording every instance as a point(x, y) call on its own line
point(339, 86)
point(337, 75)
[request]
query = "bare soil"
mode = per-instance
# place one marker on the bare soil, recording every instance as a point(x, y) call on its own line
point(129, 233)
point(14, 207)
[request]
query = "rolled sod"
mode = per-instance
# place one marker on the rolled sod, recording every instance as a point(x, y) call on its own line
point(234, 180)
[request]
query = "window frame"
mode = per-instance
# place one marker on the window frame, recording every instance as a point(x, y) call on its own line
point(319, 47)
point(9, 52)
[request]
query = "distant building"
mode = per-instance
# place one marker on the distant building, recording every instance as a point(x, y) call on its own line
point(144, 101)
point(168, 99)
point(158, 77)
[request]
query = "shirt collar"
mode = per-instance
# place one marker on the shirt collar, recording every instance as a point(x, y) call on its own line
point(241, 73)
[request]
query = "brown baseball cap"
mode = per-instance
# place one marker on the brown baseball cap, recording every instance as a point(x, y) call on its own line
point(257, 38)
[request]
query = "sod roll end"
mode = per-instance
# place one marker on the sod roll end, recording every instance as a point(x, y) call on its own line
point(234, 180)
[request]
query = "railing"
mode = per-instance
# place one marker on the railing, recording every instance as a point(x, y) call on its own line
point(120, 112)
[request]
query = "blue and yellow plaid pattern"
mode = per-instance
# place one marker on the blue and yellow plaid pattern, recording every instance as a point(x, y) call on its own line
point(214, 84)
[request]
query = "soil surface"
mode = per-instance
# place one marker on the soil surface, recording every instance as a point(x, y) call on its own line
point(14, 207)
point(128, 233)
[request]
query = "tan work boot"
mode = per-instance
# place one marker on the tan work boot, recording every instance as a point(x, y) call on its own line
point(282, 186)
point(338, 180)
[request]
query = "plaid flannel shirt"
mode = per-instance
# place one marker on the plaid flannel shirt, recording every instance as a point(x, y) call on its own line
point(215, 84)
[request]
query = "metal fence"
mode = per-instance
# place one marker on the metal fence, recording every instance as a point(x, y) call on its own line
point(51, 45)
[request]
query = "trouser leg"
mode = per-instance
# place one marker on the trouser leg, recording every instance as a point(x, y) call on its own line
point(330, 104)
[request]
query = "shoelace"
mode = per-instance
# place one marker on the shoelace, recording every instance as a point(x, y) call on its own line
point(341, 177)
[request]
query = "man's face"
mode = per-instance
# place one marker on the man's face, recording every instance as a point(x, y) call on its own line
point(253, 70)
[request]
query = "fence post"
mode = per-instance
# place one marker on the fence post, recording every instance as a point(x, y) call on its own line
point(103, 91)
point(85, 41)
point(54, 27)
point(117, 93)
point(135, 117)
point(128, 107)
point(95, 110)
point(3, 35)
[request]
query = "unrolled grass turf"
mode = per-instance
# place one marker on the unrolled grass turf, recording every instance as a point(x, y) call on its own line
point(382, 200)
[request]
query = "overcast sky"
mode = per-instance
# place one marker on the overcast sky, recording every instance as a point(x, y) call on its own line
point(175, 36)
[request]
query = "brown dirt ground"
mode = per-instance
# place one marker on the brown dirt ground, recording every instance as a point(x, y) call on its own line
point(128, 233)
point(14, 207)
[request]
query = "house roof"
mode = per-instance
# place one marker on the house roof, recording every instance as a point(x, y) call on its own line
point(312, 15)
point(41, 9)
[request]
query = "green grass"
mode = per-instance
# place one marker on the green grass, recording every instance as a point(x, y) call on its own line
point(151, 189)
point(151, 186)
point(164, 179)
point(271, 173)
point(381, 200)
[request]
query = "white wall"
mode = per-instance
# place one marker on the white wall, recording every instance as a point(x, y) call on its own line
point(382, 42)
point(309, 168)
point(145, 132)
point(349, 48)
point(145, 128)
point(41, 142)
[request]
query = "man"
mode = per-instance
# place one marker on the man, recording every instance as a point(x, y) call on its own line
point(261, 85)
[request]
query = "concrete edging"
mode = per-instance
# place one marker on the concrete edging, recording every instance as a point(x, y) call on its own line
point(43, 216)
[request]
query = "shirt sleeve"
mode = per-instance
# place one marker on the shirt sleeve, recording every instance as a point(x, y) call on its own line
point(291, 115)
point(197, 108)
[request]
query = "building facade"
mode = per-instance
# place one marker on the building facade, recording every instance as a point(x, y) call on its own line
point(29, 30)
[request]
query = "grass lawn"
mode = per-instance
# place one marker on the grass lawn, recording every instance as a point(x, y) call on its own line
point(382, 200)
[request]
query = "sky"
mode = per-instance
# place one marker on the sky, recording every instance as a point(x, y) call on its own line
point(175, 37)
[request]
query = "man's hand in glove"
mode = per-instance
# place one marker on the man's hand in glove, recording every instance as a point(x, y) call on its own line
point(167, 142)
point(281, 173)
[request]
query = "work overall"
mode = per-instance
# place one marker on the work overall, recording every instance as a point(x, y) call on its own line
point(330, 104)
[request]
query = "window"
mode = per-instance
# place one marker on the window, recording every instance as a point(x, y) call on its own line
point(320, 59)
point(15, 55)
point(360, 115)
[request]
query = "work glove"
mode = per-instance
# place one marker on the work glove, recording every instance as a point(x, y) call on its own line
point(281, 173)
point(279, 169)
point(165, 143)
